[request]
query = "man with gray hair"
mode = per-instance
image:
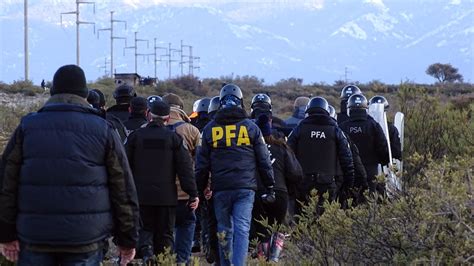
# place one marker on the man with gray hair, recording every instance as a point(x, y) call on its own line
point(157, 155)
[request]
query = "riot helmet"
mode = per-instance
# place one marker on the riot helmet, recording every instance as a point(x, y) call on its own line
point(153, 98)
point(214, 104)
point(124, 93)
point(357, 101)
point(230, 96)
point(332, 111)
point(349, 90)
point(203, 105)
point(317, 105)
point(380, 99)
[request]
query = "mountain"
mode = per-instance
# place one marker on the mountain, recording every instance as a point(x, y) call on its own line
point(315, 40)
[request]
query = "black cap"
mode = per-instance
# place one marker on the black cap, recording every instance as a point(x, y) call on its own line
point(138, 105)
point(70, 79)
point(159, 108)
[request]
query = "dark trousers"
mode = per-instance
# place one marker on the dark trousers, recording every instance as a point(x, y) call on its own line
point(32, 258)
point(211, 225)
point(321, 189)
point(275, 213)
point(159, 221)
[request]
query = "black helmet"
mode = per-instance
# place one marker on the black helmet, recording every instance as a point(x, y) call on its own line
point(261, 100)
point(349, 90)
point(357, 101)
point(316, 104)
point(203, 105)
point(332, 111)
point(231, 95)
point(153, 98)
point(380, 99)
point(93, 98)
point(124, 91)
point(214, 104)
point(101, 96)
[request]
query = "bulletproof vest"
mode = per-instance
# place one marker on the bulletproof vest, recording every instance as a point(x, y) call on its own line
point(362, 134)
point(317, 150)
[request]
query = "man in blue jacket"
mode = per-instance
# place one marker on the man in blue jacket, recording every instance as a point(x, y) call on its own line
point(67, 184)
point(236, 148)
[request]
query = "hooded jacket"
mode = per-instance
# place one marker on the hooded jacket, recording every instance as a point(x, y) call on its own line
point(65, 166)
point(232, 150)
point(190, 135)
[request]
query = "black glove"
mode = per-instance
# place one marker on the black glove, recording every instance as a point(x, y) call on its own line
point(269, 196)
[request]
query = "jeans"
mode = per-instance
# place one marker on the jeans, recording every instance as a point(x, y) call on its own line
point(234, 214)
point(33, 258)
point(184, 231)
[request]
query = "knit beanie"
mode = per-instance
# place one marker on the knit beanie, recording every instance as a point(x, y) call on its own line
point(159, 108)
point(70, 79)
point(263, 122)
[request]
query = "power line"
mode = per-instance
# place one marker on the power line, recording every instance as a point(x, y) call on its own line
point(112, 38)
point(155, 47)
point(78, 22)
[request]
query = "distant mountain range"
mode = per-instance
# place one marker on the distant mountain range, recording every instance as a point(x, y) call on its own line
point(315, 40)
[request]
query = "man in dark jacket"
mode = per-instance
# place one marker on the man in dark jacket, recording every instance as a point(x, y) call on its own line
point(321, 147)
point(299, 107)
point(123, 94)
point(156, 156)
point(236, 148)
point(137, 118)
point(368, 136)
point(67, 185)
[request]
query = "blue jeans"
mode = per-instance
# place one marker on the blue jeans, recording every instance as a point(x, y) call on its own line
point(184, 232)
point(33, 258)
point(234, 214)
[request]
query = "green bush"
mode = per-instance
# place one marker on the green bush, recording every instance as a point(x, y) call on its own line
point(431, 223)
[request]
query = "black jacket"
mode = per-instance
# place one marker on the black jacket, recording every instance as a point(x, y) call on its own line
point(321, 147)
point(395, 142)
point(120, 111)
point(232, 150)
point(368, 136)
point(286, 168)
point(134, 122)
point(360, 175)
point(201, 121)
point(156, 155)
point(342, 116)
point(66, 180)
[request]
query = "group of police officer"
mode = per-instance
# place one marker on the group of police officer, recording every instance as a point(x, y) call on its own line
point(243, 168)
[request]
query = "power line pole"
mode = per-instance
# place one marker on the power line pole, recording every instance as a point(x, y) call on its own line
point(26, 40)
point(182, 55)
point(346, 74)
point(78, 22)
point(155, 54)
point(112, 38)
point(198, 61)
point(170, 58)
point(135, 47)
point(104, 67)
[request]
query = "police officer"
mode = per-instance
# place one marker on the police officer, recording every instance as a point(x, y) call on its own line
point(346, 92)
point(395, 143)
point(213, 107)
point(360, 176)
point(262, 105)
point(321, 146)
point(299, 108)
point(202, 116)
point(137, 118)
point(368, 136)
point(235, 146)
point(123, 94)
